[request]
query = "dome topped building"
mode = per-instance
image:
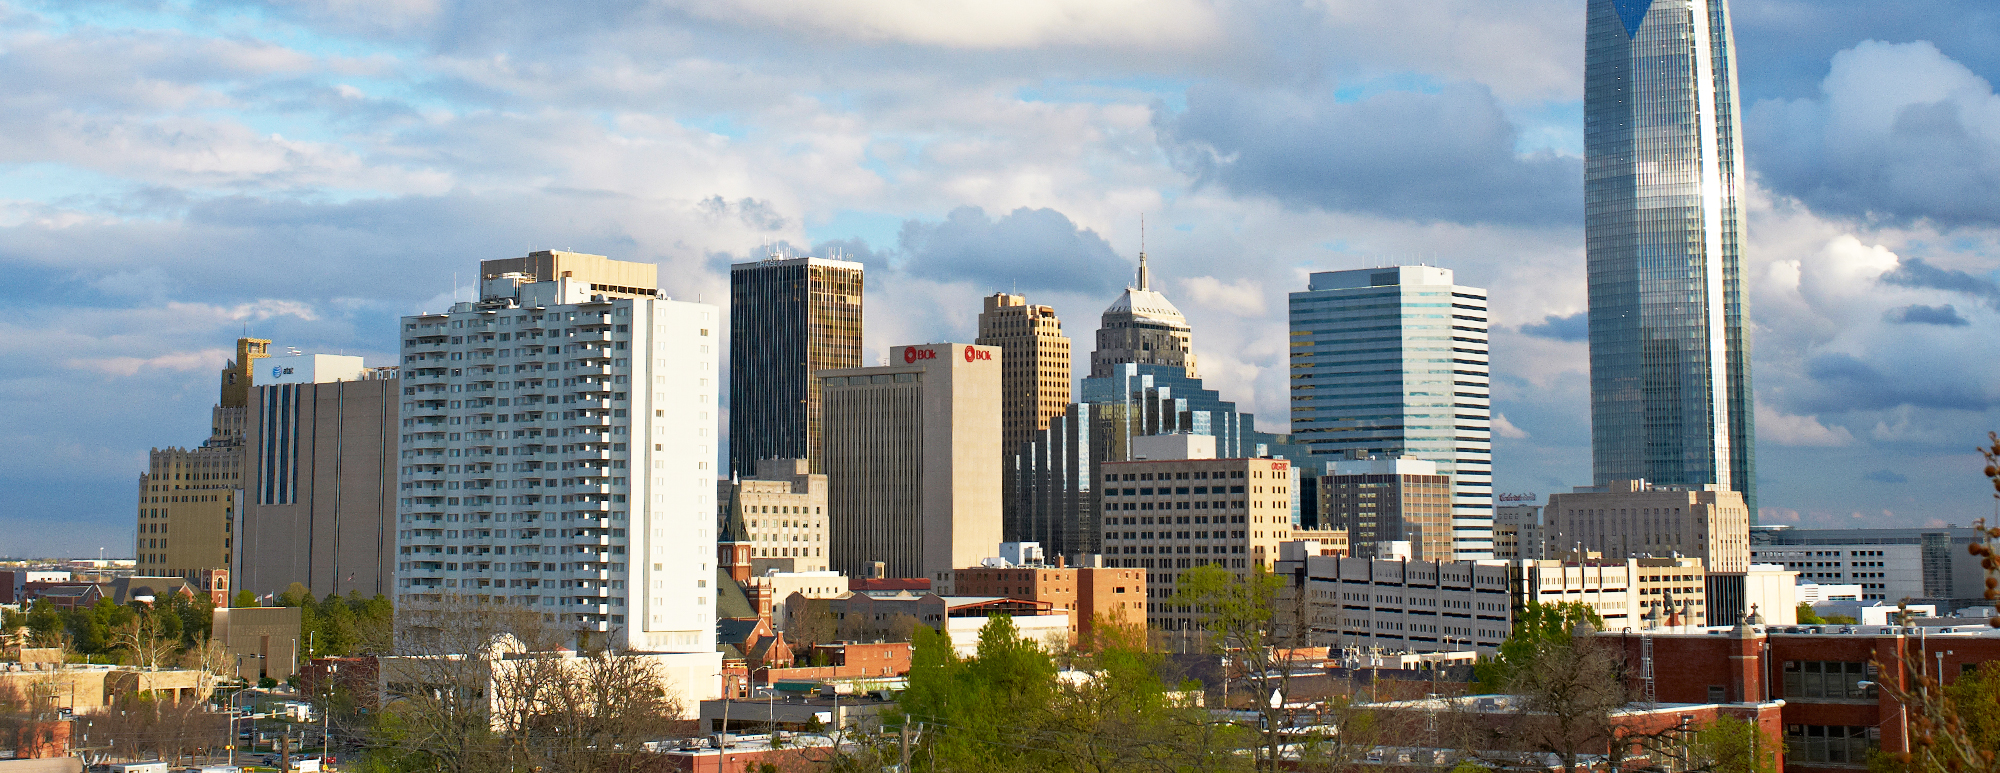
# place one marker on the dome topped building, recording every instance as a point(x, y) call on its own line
point(1142, 326)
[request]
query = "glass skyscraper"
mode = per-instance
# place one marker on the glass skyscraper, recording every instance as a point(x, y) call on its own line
point(1392, 362)
point(788, 319)
point(1669, 355)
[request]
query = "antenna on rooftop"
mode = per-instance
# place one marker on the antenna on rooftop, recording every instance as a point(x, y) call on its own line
point(1144, 278)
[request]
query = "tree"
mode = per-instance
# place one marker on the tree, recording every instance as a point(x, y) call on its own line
point(439, 714)
point(1807, 616)
point(1731, 745)
point(586, 714)
point(145, 640)
point(244, 598)
point(1566, 690)
point(1126, 717)
point(1537, 626)
point(808, 622)
point(1238, 615)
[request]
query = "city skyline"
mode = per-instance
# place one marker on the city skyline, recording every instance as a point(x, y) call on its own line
point(308, 176)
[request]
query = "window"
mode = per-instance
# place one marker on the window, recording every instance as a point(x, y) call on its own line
point(1826, 679)
point(1839, 744)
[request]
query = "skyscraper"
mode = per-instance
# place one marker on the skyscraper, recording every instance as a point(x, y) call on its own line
point(1669, 354)
point(913, 461)
point(189, 498)
point(557, 454)
point(1393, 362)
point(1034, 365)
point(1143, 327)
point(788, 319)
point(319, 506)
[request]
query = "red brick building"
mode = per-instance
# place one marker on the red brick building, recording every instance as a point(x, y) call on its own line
point(1084, 593)
point(1831, 714)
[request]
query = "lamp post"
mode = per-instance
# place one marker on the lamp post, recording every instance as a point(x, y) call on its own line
point(1902, 717)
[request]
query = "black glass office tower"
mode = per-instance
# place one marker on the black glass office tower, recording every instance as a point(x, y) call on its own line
point(788, 319)
point(1663, 182)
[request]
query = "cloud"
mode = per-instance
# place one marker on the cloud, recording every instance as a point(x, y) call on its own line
point(1032, 249)
point(1899, 132)
point(1243, 297)
point(1575, 327)
point(1919, 314)
point(177, 361)
point(1443, 156)
point(1885, 476)
point(1777, 515)
point(1506, 429)
point(973, 24)
point(1914, 272)
point(1790, 430)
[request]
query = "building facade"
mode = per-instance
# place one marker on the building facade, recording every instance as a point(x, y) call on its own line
point(1393, 362)
point(557, 453)
point(321, 508)
point(1519, 531)
point(1143, 327)
point(1056, 501)
point(784, 515)
point(1625, 518)
point(1636, 593)
point(189, 498)
point(1920, 564)
point(1034, 365)
point(1399, 606)
point(1115, 595)
point(912, 460)
point(1663, 232)
point(1173, 514)
point(1389, 500)
point(789, 318)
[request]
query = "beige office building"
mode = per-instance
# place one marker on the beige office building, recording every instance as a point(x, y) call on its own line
point(1636, 593)
point(1625, 518)
point(1173, 514)
point(320, 505)
point(784, 515)
point(189, 497)
point(912, 458)
point(1519, 531)
point(1034, 365)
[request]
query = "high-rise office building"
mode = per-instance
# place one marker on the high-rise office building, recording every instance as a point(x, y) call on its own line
point(789, 318)
point(1663, 182)
point(1034, 365)
point(557, 454)
point(1143, 327)
point(1388, 500)
point(1392, 362)
point(189, 498)
point(319, 507)
point(913, 461)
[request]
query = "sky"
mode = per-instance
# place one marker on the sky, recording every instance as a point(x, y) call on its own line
point(175, 174)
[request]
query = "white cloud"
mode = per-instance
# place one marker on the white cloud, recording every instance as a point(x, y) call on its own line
point(1173, 24)
point(1791, 430)
point(1243, 297)
point(1506, 429)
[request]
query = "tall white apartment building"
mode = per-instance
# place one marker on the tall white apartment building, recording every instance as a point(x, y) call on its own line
point(558, 452)
point(1392, 362)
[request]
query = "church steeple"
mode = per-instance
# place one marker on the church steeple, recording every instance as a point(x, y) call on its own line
point(733, 547)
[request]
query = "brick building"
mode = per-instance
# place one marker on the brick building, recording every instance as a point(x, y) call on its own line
point(1086, 594)
point(1830, 716)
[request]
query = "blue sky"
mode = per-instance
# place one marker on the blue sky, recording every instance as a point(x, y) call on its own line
point(174, 173)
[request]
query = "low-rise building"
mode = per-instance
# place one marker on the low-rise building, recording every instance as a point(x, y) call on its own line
point(1635, 593)
point(263, 642)
point(1928, 565)
point(1085, 594)
point(784, 513)
point(1397, 606)
point(1389, 500)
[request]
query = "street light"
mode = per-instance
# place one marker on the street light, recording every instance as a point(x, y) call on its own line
point(1902, 715)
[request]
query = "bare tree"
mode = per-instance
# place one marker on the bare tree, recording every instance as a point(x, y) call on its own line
point(439, 711)
point(589, 713)
point(145, 642)
point(1567, 693)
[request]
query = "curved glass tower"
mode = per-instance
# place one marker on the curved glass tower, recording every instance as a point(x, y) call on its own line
point(1669, 356)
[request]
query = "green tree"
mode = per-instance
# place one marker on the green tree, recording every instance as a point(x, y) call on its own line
point(244, 598)
point(975, 708)
point(1731, 745)
point(1536, 627)
point(1237, 613)
point(1807, 616)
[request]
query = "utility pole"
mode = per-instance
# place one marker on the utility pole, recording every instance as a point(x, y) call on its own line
point(905, 767)
point(285, 750)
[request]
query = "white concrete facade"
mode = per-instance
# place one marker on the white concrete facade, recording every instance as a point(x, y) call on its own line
point(558, 452)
